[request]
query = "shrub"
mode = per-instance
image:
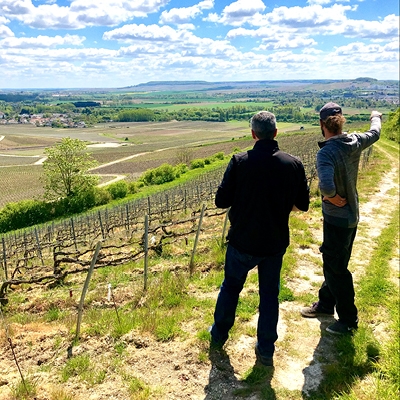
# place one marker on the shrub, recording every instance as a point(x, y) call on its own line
point(208, 161)
point(24, 213)
point(180, 169)
point(197, 163)
point(118, 190)
point(219, 155)
point(80, 202)
point(103, 196)
point(157, 176)
point(133, 187)
point(391, 128)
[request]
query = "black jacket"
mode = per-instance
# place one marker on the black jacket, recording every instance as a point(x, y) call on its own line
point(261, 186)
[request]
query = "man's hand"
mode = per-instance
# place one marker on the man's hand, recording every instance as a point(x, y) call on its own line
point(376, 114)
point(336, 200)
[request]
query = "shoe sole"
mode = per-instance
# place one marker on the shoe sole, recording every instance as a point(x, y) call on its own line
point(349, 332)
point(305, 315)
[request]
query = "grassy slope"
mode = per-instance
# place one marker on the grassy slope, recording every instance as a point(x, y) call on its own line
point(177, 309)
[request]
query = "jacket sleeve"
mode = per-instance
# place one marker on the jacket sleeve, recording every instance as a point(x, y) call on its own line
point(326, 172)
point(370, 137)
point(302, 201)
point(226, 190)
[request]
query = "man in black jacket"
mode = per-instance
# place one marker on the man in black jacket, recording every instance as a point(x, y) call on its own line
point(261, 187)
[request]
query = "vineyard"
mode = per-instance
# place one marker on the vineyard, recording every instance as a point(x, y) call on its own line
point(47, 254)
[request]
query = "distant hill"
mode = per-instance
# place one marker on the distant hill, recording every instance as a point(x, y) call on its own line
point(308, 84)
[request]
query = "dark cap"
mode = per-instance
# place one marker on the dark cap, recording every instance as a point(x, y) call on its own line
point(328, 110)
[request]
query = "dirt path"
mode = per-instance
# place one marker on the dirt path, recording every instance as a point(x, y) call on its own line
point(178, 368)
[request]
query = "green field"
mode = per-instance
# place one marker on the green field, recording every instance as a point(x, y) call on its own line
point(141, 146)
point(193, 103)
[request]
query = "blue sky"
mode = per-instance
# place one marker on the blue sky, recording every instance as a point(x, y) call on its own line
point(117, 43)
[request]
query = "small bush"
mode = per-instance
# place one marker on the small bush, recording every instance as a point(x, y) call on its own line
point(118, 190)
point(180, 169)
point(24, 213)
point(133, 187)
point(157, 176)
point(197, 163)
point(391, 128)
point(103, 196)
point(219, 155)
point(80, 202)
point(208, 161)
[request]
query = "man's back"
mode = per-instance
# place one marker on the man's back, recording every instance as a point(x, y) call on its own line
point(337, 165)
point(261, 186)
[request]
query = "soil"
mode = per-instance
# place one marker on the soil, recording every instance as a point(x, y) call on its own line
point(183, 368)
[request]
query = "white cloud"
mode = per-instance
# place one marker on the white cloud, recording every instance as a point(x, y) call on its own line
point(323, 2)
point(286, 42)
point(238, 12)
point(185, 14)
point(80, 13)
point(316, 20)
point(166, 41)
point(386, 29)
point(145, 32)
point(5, 31)
point(42, 41)
point(369, 52)
point(308, 17)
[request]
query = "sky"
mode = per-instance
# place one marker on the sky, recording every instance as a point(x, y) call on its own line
point(119, 43)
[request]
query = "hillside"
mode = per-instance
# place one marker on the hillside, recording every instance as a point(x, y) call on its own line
point(154, 360)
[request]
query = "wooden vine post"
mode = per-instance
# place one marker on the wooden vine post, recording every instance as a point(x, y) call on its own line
point(224, 227)
point(146, 250)
point(4, 259)
point(191, 265)
point(84, 290)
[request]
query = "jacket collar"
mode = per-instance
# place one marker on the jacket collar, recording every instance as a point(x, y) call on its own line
point(266, 145)
point(333, 138)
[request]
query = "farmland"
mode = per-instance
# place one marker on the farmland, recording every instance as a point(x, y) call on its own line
point(199, 118)
point(123, 148)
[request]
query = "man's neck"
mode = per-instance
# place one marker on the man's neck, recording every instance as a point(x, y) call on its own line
point(330, 135)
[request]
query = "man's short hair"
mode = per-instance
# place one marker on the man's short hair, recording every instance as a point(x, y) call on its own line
point(263, 125)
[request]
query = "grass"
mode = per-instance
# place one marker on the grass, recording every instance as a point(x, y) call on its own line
point(25, 389)
point(82, 367)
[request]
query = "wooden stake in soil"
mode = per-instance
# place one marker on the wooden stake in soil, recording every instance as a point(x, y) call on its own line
point(84, 290)
point(38, 245)
point(146, 249)
point(224, 228)
point(73, 233)
point(4, 259)
point(191, 265)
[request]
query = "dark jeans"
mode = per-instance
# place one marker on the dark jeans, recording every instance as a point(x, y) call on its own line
point(237, 266)
point(338, 289)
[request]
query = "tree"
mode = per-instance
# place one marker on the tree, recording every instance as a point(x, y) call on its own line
point(66, 169)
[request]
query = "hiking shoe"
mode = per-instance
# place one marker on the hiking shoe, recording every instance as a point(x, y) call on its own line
point(315, 311)
point(266, 361)
point(215, 344)
point(340, 328)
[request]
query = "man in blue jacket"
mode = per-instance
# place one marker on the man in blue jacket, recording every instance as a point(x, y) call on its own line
point(337, 167)
point(261, 187)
